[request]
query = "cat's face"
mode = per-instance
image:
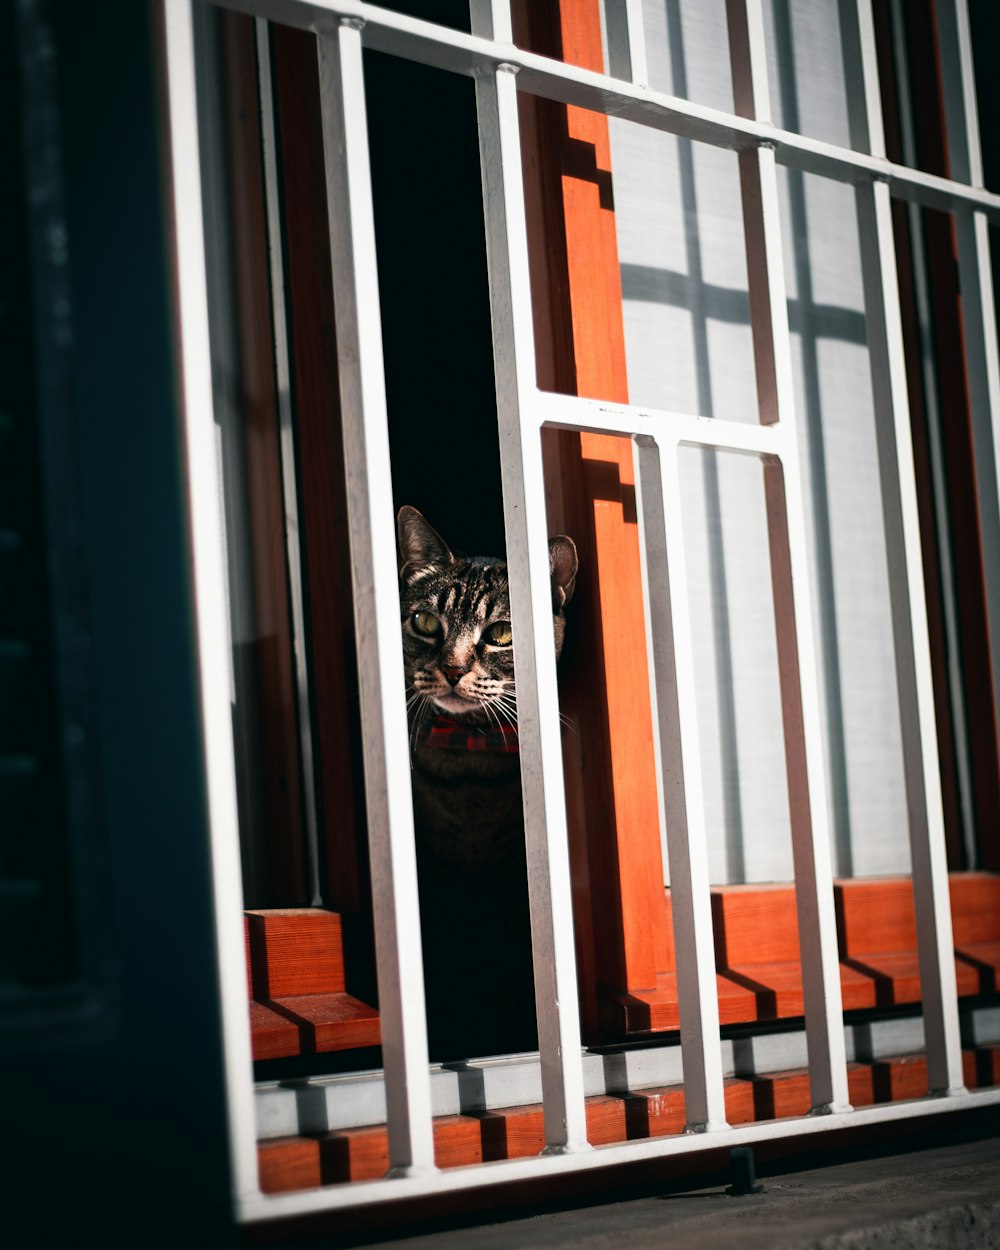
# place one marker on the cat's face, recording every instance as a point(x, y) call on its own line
point(457, 642)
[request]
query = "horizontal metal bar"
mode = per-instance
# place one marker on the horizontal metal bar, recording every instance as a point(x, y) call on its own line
point(460, 53)
point(595, 416)
point(501, 1172)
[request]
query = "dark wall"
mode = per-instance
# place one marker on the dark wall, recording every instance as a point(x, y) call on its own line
point(435, 298)
point(113, 1091)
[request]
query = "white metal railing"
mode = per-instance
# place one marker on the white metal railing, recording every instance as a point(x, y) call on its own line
point(343, 28)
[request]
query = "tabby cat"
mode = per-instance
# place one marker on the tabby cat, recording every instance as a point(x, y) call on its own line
point(459, 664)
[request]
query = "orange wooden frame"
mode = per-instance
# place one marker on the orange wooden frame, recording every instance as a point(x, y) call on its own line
point(623, 934)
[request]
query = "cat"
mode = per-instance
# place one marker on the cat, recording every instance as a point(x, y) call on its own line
point(458, 653)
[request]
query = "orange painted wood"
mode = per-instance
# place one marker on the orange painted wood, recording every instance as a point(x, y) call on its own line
point(975, 908)
point(875, 914)
point(779, 1094)
point(359, 1154)
point(660, 1112)
point(894, 1080)
point(755, 924)
point(759, 974)
point(295, 951)
point(981, 1066)
point(623, 937)
point(878, 935)
point(362, 1154)
point(518, 1132)
point(272, 1034)
point(608, 480)
point(311, 1024)
point(288, 1163)
point(295, 967)
point(515, 1133)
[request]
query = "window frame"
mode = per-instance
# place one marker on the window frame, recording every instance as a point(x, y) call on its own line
point(501, 71)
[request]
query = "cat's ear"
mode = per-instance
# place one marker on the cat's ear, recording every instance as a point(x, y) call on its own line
point(563, 564)
point(420, 544)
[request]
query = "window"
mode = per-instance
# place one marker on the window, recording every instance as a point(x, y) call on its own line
point(676, 482)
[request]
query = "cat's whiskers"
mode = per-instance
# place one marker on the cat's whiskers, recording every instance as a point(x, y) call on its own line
point(487, 705)
point(418, 717)
point(506, 712)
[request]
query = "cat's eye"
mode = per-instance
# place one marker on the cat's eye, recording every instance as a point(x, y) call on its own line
point(426, 623)
point(498, 634)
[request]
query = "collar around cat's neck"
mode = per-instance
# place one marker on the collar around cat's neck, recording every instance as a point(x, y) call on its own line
point(446, 733)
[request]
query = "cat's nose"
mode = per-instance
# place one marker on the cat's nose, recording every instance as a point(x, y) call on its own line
point(453, 673)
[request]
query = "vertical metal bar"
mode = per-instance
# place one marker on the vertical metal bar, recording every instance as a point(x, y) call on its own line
point(906, 585)
point(531, 613)
point(678, 763)
point(376, 603)
point(860, 55)
point(799, 675)
point(936, 457)
point(979, 323)
point(492, 20)
point(626, 41)
point(961, 115)
point(289, 479)
point(748, 59)
point(209, 571)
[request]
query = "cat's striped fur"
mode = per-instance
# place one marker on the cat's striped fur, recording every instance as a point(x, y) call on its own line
point(459, 659)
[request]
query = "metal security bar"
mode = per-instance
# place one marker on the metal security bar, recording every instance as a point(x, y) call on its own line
point(343, 28)
point(979, 317)
point(546, 842)
point(906, 584)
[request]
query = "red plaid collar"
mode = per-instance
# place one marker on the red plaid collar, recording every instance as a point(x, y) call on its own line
point(452, 735)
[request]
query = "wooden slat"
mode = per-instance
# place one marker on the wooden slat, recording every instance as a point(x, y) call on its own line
point(622, 932)
point(272, 1035)
point(757, 956)
point(311, 1024)
point(878, 936)
point(362, 1153)
point(518, 1132)
point(299, 1003)
point(975, 907)
point(981, 1066)
point(295, 951)
point(288, 1163)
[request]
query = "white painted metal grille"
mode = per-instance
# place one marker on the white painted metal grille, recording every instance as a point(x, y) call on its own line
point(343, 28)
